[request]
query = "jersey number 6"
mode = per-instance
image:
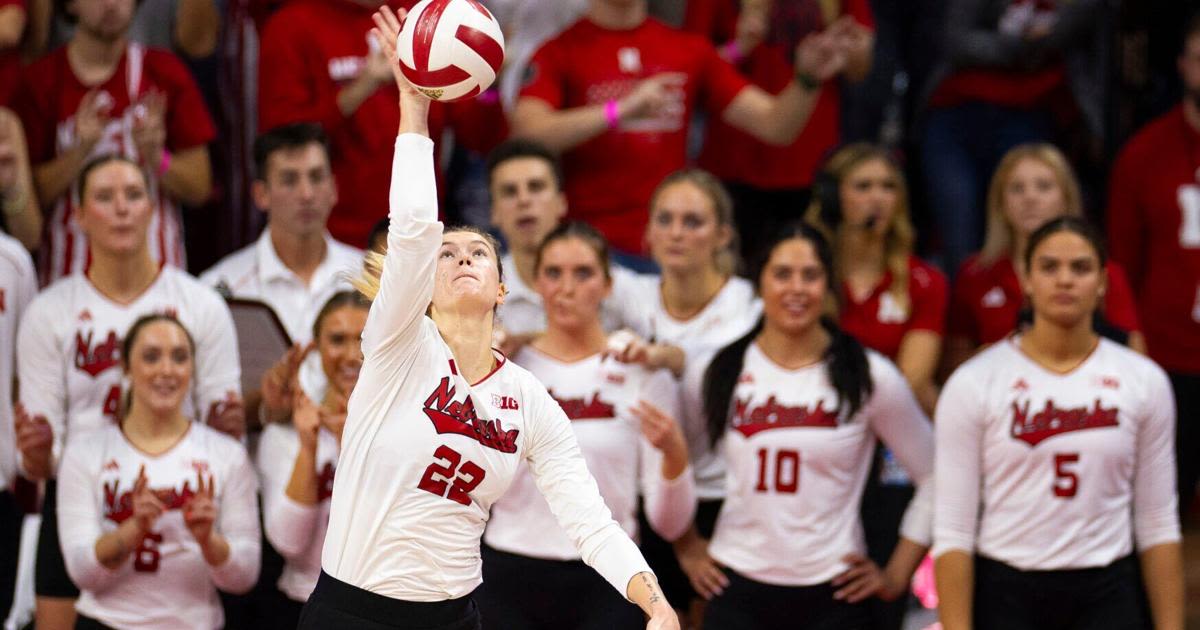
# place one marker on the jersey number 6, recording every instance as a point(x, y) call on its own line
point(451, 480)
point(147, 555)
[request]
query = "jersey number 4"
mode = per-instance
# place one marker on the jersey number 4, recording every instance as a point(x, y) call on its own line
point(787, 471)
point(451, 477)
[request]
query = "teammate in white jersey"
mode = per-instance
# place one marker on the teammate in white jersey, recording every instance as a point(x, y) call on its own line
point(623, 417)
point(297, 461)
point(439, 423)
point(1055, 462)
point(70, 348)
point(158, 512)
point(797, 405)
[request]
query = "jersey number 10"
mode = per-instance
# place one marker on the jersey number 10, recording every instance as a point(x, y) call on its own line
point(786, 476)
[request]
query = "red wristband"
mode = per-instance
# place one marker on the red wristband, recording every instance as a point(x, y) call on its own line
point(733, 52)
point(612, 115)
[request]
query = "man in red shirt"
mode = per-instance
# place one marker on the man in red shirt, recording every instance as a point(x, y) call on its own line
point(615, 92)
point(1154, 231)
point(102, 94)
point(317, 64)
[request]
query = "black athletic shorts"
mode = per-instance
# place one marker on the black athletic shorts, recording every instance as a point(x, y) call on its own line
point(11, 518)
point(751, 605)
point(50, 578)
point(336, 605)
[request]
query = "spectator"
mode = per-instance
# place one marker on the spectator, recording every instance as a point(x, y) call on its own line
point(527, 25)
point(616, 91)
point(771, 184)
point(315, 65)
point(1033, 184)
point(18, 285)
point(13, 18)
point(1011, 71)
point(102, 94)
point(70, 348)
point(295, 265)
point(1154, 231)
point(22, 218)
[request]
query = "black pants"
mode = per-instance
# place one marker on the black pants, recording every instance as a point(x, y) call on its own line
point(523, 593)
point(87, 623)
point(883, 507)
point(660, 555)
point(10, 548)
point(760, 213)
point(1187, 437)
point(1104, 598)
point(335, 605)
point(50, 577)
point(749, 605)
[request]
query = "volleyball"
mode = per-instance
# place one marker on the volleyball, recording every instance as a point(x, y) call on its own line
point(450, 49)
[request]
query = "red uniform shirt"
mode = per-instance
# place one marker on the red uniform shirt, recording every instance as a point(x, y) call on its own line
point(10, 60)
point(1154, 231)
point(987, 300)
point(311, 50)
point(880, 324)
point(734, 155)
point(609, 179)
point(46, 103)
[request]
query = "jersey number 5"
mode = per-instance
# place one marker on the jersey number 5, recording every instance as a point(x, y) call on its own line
point(787, 471)
point(1066, 482)
point(453, 479)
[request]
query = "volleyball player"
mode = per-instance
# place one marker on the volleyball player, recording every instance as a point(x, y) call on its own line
point(70, 348)
point(623, 416)
point(1056, 464)
point(438, 426)
point(158, 512)
point(798, 404)
point(297, 461)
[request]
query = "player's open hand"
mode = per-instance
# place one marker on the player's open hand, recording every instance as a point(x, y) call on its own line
point(862, 580)
point(229, 415)
point(664, 620)
point(35, 440)
point(386, 32)
point(706, 576)
point(200, 511)
point(147, 507)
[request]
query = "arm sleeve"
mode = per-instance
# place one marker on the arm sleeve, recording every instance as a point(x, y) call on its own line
point(570, 490)
point(414, 235)
point(238, 523)
point(288, 89)
point(79, 518)
point(929, 293)
point(1126, 218)
point(289, 524)
point(670, 503)
point(218, 370)
point(958, 430)
point(1119, 306)
point(1155, 513)
point(898, 420)
point(40, 373)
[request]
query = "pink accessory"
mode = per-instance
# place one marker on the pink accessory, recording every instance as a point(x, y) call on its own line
point(611, 115)
point(164, 163)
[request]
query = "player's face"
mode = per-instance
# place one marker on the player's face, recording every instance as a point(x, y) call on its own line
point(115, 210)
point(340, 345)
point(572, 284)
point(299, 190)
point(160, 367)
point(526, 202)
point(468, 275)
point(869, 193)
point(1032, 196)
point(106, 20)
point(793, 286)
point(1065, 280)
point(1189, 68)
point(684, 233)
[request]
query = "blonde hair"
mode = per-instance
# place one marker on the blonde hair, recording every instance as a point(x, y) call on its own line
point(367, 281)
point(999, 237)
point(898, 242)
point(726, 260)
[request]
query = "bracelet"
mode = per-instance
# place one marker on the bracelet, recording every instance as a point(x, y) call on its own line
point(807, 81)
point(733, 52)
point(611, 114)
point(164, 163)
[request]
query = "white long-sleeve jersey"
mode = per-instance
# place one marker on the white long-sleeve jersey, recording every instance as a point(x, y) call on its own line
point(596, 395)
point(425, 454)
point(18, 285)
point(729, 315)
point(1047, 471)
point(296, 531)
point(165, 583)
point(796, 471)
point(70, 349)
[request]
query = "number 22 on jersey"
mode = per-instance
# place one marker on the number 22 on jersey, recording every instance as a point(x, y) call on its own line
point(451, 477)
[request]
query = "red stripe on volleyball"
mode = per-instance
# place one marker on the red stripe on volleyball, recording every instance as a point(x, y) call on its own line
point(435, 78)
point(423, 33)
point(482, 44)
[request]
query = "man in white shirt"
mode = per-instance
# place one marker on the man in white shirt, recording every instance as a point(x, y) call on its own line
point(295, 265)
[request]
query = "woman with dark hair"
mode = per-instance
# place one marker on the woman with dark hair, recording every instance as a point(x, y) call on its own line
point(1055, 462)
point(623, 416)
point(296, 461)
point(796, 406)
point(158, 512)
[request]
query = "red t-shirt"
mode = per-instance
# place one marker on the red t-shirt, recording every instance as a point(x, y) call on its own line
point(879, 323)
point(734, 155)
point(49, 96)
point(310, 50)
point(10, 61)
point(609, 179)
point(987, 300)
point(1154, 231)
